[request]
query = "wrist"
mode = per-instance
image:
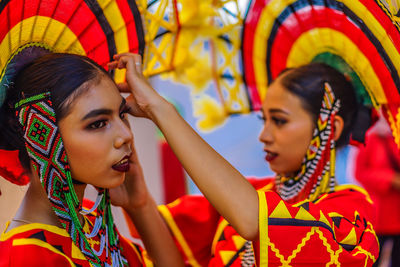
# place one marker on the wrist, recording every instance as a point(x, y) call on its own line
point(159, 110)
point(139, 210)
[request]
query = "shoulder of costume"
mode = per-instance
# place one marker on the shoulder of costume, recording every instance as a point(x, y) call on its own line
point(28, 230)
point(350, 190)
point(262, 184)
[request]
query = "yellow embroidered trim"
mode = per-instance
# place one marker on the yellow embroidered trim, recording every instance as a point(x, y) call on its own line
point(133, 247)
point(321, 198)
point(147, 260)
point(334, 254)
point(178, 235)
point(40, 243)
point(354, 187)
point(24, 228)
point(220, 229)
point(263, 228)
point(266, 187)
point(366, 253)
point(298, 204)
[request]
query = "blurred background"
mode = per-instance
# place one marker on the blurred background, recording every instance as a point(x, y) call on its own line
point(195, 55)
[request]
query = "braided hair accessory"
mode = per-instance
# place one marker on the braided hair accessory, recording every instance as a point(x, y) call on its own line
point(100, 242)
point(317, 173)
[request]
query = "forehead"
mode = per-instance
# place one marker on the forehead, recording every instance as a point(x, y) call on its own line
point(278, 97)
point(103, 94)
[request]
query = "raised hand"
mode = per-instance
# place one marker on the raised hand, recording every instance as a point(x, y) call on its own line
point(143, 97)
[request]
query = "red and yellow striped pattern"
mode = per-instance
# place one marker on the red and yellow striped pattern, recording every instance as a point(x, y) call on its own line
point(97, 29)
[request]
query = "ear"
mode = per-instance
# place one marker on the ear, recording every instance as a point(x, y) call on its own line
point(338, 125)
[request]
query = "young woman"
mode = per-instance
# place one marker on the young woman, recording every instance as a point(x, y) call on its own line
point(298, 218)
point(67, 119)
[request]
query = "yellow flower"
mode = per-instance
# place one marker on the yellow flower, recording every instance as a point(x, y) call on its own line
point(210, 113)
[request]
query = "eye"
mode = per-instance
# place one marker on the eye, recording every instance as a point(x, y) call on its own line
point(97, 124)
point(279, 121)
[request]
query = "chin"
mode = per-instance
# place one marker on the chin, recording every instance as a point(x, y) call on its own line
point(117, 182)
point(276, 169)
point(112, 181)
point(284, 169)
point(284, 172)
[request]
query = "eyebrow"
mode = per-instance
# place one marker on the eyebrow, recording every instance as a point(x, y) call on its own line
point(102, 111)
point(277, 110)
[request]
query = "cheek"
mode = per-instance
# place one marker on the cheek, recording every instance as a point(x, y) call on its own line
point(296, 145)
point(86, 158)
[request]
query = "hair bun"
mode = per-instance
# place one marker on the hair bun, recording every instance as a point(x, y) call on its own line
point(365, 118)
point(19, 60)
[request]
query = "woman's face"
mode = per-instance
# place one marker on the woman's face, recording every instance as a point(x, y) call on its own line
point(97, 136)
point(287, 130)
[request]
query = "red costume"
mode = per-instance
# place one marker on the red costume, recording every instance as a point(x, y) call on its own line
point(335, 229)
point(377, 165)
point(39, 244)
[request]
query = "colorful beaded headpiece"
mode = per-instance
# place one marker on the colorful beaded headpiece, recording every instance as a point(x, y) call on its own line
point(317, 173)
point(49, 159)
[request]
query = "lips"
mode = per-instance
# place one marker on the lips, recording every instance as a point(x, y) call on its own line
point(270, 156)
point(122, 165)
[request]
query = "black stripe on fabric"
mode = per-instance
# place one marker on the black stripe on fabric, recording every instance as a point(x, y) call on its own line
point(297, 222)
point(3, 4)
point(237, 254)
point(386, 59)
point(138, 24)
point(105, 26)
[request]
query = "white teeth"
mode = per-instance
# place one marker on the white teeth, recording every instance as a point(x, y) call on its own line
point(122, 162)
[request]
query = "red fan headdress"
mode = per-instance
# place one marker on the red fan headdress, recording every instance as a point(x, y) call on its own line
point(360, 38)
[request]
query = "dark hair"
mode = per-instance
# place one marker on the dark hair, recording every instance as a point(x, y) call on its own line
point(308, 81)
point(58, 73)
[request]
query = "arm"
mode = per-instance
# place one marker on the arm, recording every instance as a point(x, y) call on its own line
point(222, 184)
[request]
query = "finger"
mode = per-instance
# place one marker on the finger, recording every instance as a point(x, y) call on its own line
point(117, 56)
point(122, 63)
point(112, 65)
point(126, 59)
point(124, 87)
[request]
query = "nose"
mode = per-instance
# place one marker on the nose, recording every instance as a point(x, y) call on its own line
point(123, 134)
point(266, 135)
